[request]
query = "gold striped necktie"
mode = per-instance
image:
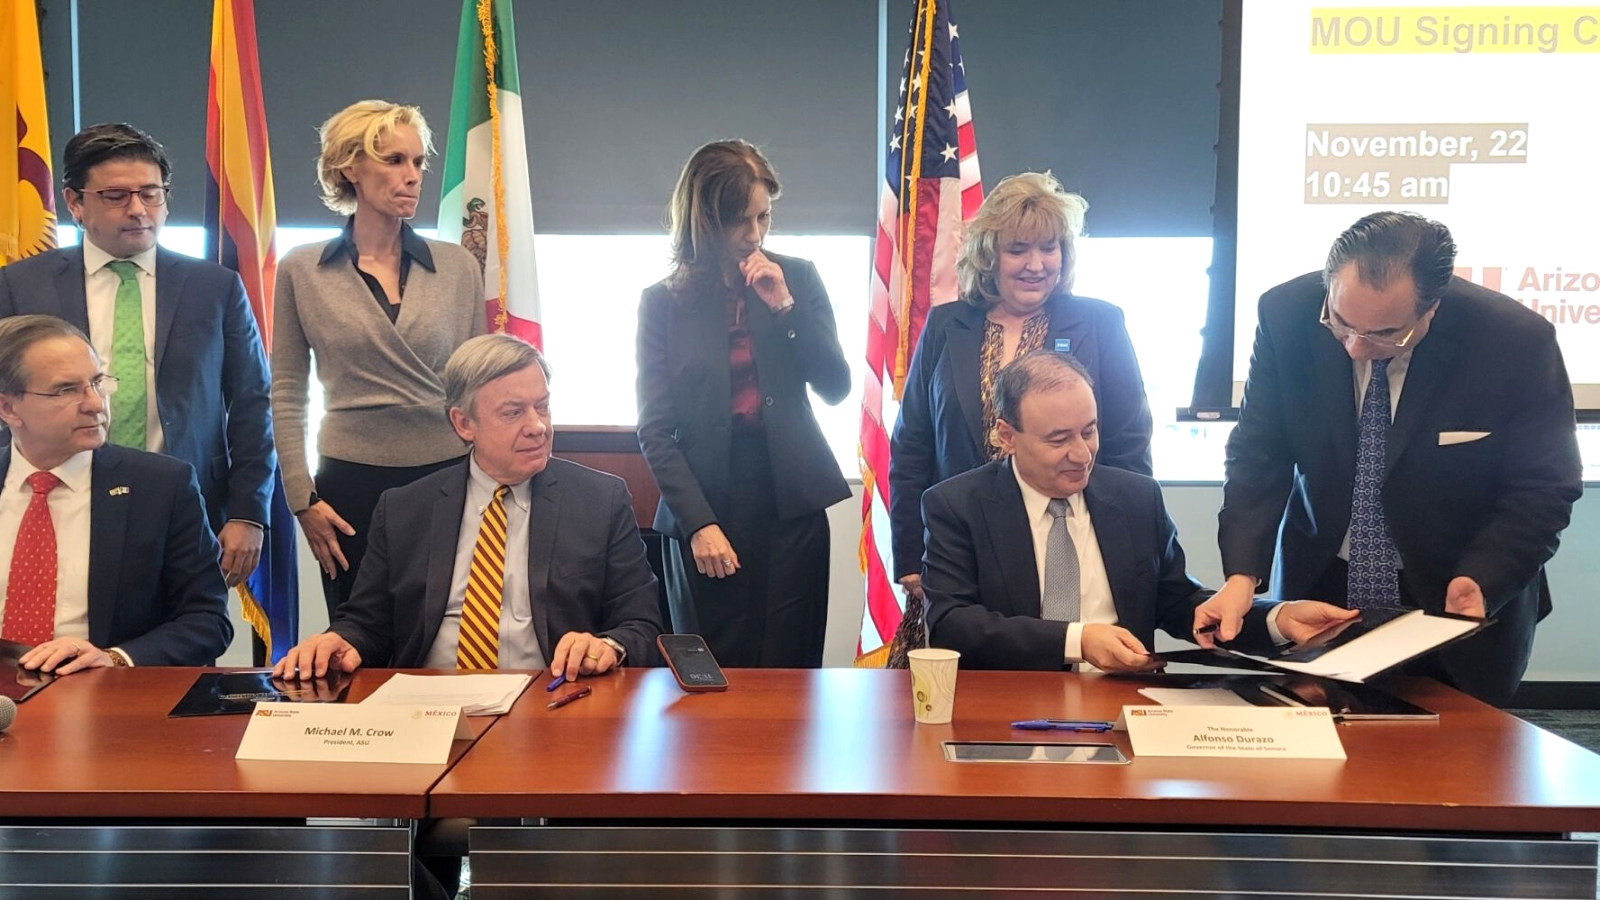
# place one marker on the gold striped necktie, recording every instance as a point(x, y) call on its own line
point(478, 646)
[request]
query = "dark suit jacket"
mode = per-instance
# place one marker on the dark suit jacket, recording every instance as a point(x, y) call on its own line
point(940, 430)
point(586, 566)
point(155, 589)
point(1490, 509)
point(982, 580)
point(212, 389)
point(685, 397)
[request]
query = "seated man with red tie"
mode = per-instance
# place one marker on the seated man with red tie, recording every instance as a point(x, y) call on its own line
point(511, 560)
point(1042, 560)
point(106, 558)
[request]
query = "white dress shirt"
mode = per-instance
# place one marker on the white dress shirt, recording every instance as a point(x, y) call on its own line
point(519, 645)
point(1094, 587)
point(100, 290)
point(1398, 367)
point(69, 515)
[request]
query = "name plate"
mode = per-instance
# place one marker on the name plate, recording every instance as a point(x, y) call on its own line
point(370, 733)
point(1239, 732)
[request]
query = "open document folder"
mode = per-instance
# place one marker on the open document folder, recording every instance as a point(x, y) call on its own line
point(1369, 646)
point(477, 695)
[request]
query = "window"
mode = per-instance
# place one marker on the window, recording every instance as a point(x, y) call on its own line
point(1161, 284)
point(589, 288)
point(590, 284)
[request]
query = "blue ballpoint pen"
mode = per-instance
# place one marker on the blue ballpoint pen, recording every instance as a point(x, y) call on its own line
point(1060, 725)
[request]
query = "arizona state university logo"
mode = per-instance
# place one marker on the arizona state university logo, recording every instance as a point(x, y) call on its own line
point(31, 227)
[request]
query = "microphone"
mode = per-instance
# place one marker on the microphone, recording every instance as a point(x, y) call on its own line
point(8, 712)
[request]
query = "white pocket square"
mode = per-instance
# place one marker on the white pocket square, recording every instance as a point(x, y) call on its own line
point(1446, 438)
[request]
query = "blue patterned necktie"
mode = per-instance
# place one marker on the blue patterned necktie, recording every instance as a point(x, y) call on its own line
point(1374, 562)
point(1061, 601)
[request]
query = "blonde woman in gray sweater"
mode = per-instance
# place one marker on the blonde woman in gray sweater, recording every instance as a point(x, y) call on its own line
point(380, 309)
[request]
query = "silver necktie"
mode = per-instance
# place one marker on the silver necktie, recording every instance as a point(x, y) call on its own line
point(1060, 602)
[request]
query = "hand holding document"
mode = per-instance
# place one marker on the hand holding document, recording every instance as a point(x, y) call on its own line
point(477, 695)
point(1355, 651)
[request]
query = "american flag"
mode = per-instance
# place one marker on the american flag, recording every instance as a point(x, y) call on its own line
point(931, 187)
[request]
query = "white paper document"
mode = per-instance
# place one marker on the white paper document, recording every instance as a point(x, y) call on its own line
point(1194, 697)
point(477, 695)
point(1396, 641)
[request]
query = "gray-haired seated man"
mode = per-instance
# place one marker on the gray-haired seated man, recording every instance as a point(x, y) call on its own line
point(511, 560)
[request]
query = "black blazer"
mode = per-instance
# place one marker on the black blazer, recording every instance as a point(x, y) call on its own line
point(155, 589)
point(212, 389)
point(586, 566)
point(940, 429)
point(981, 577)
point(1491, 509)
point(685, 398)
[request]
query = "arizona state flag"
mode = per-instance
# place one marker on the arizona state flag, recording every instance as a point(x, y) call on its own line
point(27, 191)
point(240, 220)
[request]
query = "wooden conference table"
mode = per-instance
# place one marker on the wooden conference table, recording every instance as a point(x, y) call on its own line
point(102, 795)
point(820, 781)
point(793, 784)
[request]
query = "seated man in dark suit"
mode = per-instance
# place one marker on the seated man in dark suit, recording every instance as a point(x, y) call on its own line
point(509, 560)
point(106, 558)
point(1042, 560)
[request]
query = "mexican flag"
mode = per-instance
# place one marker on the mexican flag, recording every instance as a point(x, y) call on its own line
point(487, 206)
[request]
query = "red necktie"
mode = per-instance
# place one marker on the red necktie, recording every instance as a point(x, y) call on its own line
point(30, 616)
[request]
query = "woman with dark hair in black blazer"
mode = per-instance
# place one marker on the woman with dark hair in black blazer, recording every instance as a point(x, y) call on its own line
point(727, 345)
point(1015, 271)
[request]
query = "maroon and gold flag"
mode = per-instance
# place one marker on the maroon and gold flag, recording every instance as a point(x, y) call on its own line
point(27, 190)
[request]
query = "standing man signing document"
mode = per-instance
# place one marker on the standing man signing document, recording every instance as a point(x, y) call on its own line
point(1421, 430)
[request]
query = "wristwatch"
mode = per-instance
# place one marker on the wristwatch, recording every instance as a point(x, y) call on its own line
point(622, 652)
point(119, 659)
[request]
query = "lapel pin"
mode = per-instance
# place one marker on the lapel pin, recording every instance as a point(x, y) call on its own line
point(119, 490)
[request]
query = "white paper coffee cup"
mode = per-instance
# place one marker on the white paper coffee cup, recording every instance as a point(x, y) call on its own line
point(933, 684)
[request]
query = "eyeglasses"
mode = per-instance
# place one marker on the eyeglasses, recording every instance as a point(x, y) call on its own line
point(104, 385)
point(1344, 332)
point(116, 198)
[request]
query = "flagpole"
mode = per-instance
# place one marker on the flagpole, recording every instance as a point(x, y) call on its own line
point(77, 77)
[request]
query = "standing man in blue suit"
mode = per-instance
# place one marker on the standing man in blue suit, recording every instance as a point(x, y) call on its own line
point(176, 332)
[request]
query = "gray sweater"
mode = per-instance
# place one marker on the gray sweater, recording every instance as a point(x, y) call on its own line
point(382, 383)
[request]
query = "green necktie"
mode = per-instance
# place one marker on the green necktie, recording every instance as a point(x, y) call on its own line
point(127, 359)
